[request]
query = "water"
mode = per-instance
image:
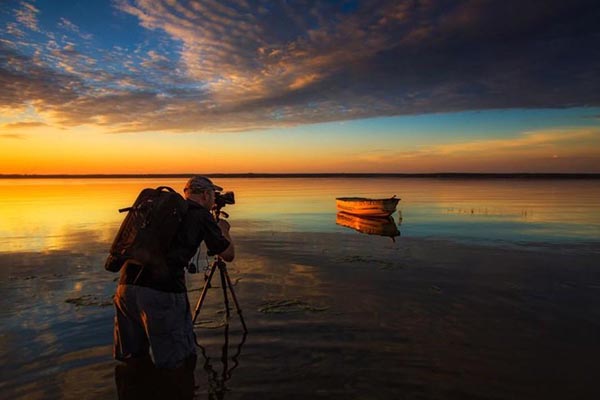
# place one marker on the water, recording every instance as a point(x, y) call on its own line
point(41, 215)
point(489, 282)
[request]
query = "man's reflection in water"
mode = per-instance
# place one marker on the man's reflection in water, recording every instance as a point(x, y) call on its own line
point(140, 379)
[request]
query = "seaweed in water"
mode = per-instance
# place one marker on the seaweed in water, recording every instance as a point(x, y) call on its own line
point(289, 306)
point(211, 323)
point(88, 300)
point(383, 264)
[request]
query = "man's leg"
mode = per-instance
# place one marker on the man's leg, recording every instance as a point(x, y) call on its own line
point(170, 332)
point(130, 339)
point(135, 379)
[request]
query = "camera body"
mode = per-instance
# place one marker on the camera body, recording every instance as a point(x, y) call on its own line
point(222, 199)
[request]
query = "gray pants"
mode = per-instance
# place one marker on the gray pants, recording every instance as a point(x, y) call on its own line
point(151, 322)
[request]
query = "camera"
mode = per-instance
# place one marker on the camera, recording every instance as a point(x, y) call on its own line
point(222, 199)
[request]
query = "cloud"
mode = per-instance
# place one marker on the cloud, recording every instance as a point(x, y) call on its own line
point(13, 30)
point(11, 136)
point(543, 144)
point(552, 150)
point(23, 125)
point(65, 23)
point(231, 66)
point(70, 26)
point(555, 140)
point(27, 16)
point(24, 82)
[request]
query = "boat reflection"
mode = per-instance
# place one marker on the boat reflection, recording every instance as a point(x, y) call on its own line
point(370, 226)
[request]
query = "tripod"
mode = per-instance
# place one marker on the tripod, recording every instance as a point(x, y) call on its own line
point(225, 284)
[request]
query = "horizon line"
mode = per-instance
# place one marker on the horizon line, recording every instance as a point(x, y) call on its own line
point(543, 175)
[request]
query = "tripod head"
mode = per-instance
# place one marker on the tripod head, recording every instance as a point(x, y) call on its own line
point(217, 213)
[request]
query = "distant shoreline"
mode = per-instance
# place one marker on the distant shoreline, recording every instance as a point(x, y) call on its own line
point(441, 175)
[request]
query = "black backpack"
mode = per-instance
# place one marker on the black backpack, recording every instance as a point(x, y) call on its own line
point(148, 230)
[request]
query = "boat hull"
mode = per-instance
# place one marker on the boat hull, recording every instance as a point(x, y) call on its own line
point(367, 207)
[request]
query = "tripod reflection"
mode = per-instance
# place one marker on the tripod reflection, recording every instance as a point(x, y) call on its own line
point(217, 387)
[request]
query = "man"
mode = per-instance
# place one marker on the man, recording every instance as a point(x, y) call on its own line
point(153, 323)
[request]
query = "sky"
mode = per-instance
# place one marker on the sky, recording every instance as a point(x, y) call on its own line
point(267, 86)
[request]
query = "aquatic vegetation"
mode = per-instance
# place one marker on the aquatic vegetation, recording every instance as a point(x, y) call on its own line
point(89, 300)
point(381, 264)
point(289, 306)
point(211, 323)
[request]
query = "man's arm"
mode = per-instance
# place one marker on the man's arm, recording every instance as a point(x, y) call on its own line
point(229, 253)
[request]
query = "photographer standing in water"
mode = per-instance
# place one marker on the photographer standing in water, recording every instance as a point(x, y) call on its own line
point(153, 316)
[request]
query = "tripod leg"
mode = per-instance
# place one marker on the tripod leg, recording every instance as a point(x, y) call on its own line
point(237, 305)
point(223, 272)
point(203, 295)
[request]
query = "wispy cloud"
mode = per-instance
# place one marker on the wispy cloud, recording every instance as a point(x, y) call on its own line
point(23, 125)
point(235, 66)
point(551, 150)
point(12, 136)
point(70, 26)
point(13, 30)
point(552, 143)
point(26, 14)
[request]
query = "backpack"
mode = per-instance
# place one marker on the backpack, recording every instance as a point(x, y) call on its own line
point(147, 231)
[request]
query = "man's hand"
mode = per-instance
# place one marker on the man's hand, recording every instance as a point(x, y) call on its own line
point(224, 225)
point(229, 252)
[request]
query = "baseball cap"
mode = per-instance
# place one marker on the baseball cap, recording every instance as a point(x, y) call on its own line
point(196, 183)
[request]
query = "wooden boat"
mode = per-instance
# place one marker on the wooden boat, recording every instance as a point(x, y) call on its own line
point(371, 226)
point(367, 207)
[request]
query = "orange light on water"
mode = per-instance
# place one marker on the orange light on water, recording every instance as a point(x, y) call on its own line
point(55, 214)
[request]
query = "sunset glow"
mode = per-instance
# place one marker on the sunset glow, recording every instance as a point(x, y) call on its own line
point(50, 215)
point(234, 87)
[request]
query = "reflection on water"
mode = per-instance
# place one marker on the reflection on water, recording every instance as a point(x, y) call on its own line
point(417, 319)
point(370, 226)
point(221, 371)
point(331, 313)
point(53, 214)
point(140, 380)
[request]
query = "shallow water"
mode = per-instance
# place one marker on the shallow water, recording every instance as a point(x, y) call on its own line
point(52, 214)
point(491, 291)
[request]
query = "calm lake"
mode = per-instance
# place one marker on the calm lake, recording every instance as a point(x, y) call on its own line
point(492, 290)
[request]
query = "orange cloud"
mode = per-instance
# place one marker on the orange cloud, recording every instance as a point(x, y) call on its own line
point(553, 150)
point(23, 125)
point(225, 66)
point(529, 142)
point(11, 136)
